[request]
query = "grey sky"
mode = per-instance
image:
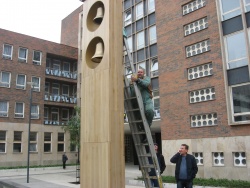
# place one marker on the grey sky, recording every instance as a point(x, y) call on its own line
point(37, 18)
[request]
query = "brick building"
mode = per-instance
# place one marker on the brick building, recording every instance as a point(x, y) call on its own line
point(197, 54)
point(53, 68)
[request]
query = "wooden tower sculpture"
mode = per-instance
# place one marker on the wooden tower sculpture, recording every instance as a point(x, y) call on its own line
point(102, 101)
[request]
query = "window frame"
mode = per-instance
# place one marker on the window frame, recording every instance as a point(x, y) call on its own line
point(152, 39)
point(150, 3)
point(154, 73)
point(48, 142)
point(22, 59)
point(7, 110)
point(19, 86)
point(36, 87)
point(60, 142)
point(17, 142)
point(5, 84)
point(37, 62)
point(4, 142)
point(127, 17)
point(7, 56)
point(35, 115)
point(233, 115)
point(19, 115)
point(138, 9)
point(140, 45)
point(226, 50)
point(33, 142)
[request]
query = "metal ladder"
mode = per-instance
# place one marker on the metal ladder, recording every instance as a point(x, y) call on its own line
point(138, 124)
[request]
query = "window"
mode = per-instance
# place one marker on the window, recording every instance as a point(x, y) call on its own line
point(139, 11)
point(130, 44)
point(240, 159)
point(198, 157)
point(36, 81)
point(47, 142)
point(154, 68)
point(198, 48)
point(7, 51)
point(55, 116)
point(236, 52)
point(4, 108)
point(65, 114)
point(202, 120)
point(202, 95)
point(21, 81)
point(140, 40)
point(37, 57)
point(66, 67)
point(19, 110)
point(60, 144)
point(127, 18)
point(218, 159)
point(241, 102)
point(5, 79)
point(46, 115)
point(152, 35)
point(33, 141)
point(22, 55)
point(35, 111)
point(2, 141)
point(193, 6)
point(151, 6)
point(55, 89)
point(17, 142)
point(156, 103)
point(47, 87)
point(65, 90)
point(247, 5)
point(200, 71)
point(196, 26)
point(56, 68)
point(142, 66)
point(230, 9)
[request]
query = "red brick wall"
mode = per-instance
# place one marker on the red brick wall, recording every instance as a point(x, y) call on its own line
point(173, 64)
point(12, 94)
point(70, 28)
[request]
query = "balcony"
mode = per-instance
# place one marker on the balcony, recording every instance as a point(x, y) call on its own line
point(60, 98)
point(55, 122)
point(61, 73)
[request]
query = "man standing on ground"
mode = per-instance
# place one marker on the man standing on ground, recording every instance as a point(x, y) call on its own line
point(64, 159)
point(186, 167)
point(162, 166)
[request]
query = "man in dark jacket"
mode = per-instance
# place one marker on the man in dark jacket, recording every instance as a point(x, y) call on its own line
point(186, 167)
point(64, 160)
point(162, 165)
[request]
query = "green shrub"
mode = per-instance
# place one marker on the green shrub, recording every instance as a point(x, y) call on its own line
point(211, 182)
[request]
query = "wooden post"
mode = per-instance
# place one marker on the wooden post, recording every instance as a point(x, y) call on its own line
point(102, 102)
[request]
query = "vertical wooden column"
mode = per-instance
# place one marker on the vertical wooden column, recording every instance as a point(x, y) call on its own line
point(102, 103)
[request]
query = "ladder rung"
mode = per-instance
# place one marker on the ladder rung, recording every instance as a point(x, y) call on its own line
point(130, 98)
point(140, 144)
point(148, 166)
point(145, 155)
point(138, 133)
point(136, 121)
point(132, 110)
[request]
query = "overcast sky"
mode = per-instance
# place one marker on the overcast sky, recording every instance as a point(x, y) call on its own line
point(37, 18)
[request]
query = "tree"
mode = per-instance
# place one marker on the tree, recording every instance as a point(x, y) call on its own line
point(73, 127)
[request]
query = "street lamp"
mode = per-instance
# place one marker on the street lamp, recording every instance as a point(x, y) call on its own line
point(33, 84)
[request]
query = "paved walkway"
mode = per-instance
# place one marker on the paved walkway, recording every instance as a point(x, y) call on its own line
point(53, 177)
point(56, 177)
